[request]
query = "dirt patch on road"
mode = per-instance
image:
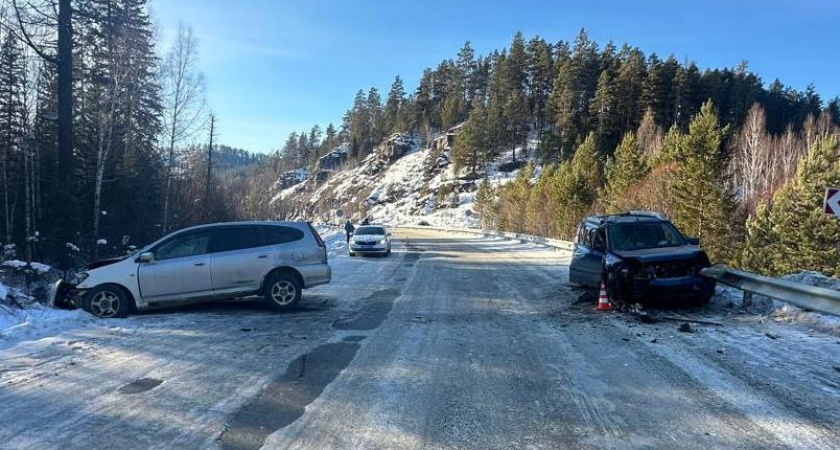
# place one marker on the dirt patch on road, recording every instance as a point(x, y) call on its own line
point(375, 310)
point(285, 399)
point(141, 385)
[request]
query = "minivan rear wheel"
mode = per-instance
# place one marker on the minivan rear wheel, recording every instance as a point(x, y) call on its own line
point(283, 291)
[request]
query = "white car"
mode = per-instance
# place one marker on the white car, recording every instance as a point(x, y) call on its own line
point(370, 240)
point(276, 260)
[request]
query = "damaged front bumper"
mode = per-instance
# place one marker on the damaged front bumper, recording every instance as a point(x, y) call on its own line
point(680, 288)
point(64, 295)
point(631, 287)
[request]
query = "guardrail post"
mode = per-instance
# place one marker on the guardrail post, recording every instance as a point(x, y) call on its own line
point(747, 300)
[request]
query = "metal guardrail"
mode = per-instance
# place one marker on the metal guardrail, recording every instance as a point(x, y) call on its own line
point(812, 298)
point(523, 238)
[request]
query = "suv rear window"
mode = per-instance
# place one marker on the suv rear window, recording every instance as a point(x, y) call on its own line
point(276, 234)
point(227, 239)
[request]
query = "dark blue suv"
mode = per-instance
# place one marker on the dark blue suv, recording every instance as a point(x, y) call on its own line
point(639, 255)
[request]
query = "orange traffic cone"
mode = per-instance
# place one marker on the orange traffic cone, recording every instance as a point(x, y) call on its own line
point(603, 300)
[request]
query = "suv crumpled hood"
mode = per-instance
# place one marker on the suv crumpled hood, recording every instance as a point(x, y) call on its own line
point(681, 253)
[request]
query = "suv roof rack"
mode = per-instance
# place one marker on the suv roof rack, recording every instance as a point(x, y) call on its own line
point(638, 215)
point(658, 215)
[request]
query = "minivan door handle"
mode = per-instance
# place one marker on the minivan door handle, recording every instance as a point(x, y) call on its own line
point(199, 264)
point(263, 256)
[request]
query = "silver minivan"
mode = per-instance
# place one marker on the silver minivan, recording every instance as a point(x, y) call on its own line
point(276, 260)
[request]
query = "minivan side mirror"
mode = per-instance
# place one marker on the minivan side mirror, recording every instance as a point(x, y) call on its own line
point(146, 257)
point(693, 240)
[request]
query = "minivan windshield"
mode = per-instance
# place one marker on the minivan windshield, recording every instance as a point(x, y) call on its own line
point(643, 235)
point(365, 230)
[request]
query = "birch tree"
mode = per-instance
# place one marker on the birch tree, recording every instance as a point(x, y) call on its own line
point(183, 102)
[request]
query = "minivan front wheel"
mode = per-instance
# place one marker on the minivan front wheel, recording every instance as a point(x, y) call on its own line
point(107, 301)
point(283, 291)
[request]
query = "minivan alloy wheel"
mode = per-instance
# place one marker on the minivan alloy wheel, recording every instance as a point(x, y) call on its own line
point(105, 304)
point(283, 292)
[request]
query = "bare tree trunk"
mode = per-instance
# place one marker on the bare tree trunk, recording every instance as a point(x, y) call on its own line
point(64, 61)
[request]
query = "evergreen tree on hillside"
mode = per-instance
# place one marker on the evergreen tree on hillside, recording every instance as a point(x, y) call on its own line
point(484, 204)
point(540, 79)
point(627, 167)
point(466, 65)
point(630, 83)
point(514, 200)
point(454, 108)
point(540, 212)
point(358, 124)
point(470, 149)
point(574, 187)
point(574, 87)
point(392, 119)
point(374, 106)
point(659, 89)
point(703, 203)
point(424, 106)
point(794, 233)
point(604, 108)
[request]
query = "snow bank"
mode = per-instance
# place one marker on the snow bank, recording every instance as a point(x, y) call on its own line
point(37, 321)
point(17, 264)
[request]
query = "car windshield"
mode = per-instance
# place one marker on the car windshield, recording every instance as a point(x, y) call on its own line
point(365, 230)
point(643, 235)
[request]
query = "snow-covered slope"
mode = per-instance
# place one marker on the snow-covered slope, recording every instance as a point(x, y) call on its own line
point(417, 186)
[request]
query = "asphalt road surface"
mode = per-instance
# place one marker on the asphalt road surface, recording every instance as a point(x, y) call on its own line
point(453, 342)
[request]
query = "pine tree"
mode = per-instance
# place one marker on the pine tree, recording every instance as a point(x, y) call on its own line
point(471, 146)
point(604, 108)
point(392, 119)
point(12, 123)
point(514, 199)
point(466, 66)
point(627, 167)
point(757, 253)
point(630, 83)
point(454, 108)
point(485, 203)
point(794, 233)
point(703, 204)
point(375, 114)
point(540, 79)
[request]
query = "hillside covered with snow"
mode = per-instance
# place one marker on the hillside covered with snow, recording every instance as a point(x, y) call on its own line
point(418, 185)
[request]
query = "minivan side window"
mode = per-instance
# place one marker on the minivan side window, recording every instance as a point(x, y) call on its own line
point(276, 234)
point(238, 238)
point(186, 245)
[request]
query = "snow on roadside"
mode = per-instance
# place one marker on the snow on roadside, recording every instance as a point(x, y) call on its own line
point(37, 321)
point(778, 311)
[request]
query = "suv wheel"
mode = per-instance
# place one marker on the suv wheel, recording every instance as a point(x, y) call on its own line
point(283, 291)
point(107, 301)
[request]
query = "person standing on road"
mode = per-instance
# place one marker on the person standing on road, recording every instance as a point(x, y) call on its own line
point(349, 229)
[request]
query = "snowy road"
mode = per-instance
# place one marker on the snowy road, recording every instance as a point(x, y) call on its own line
point(453, 342)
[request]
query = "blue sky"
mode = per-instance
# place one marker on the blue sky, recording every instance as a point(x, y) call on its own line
point(277, 66)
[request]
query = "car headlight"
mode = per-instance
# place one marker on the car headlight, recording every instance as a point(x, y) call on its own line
point(79, 278)
point(381, 241)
